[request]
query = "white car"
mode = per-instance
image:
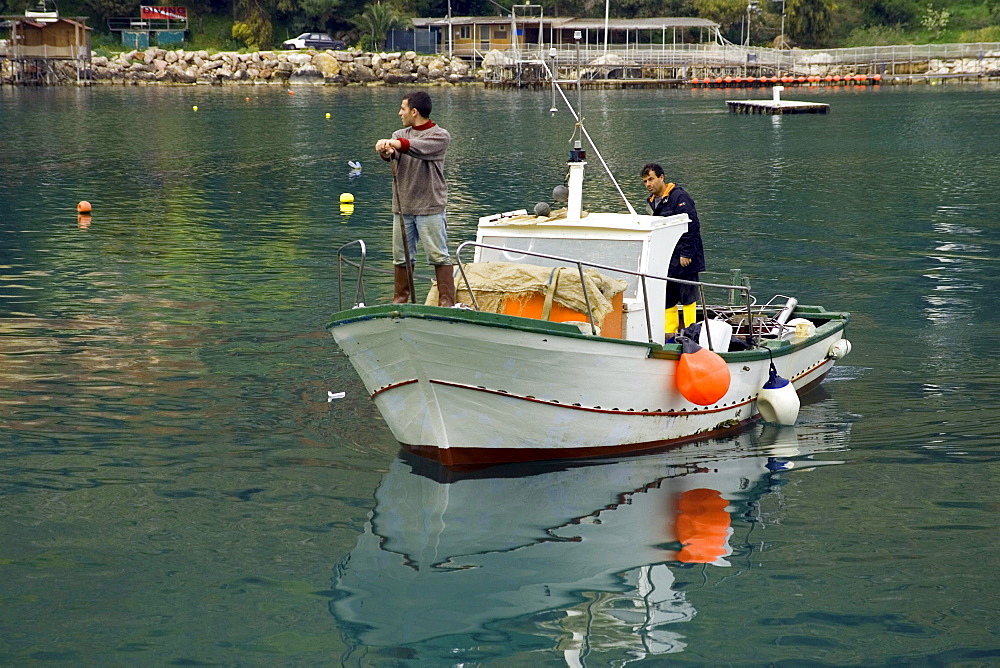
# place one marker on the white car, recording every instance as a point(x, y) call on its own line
point(313, 40)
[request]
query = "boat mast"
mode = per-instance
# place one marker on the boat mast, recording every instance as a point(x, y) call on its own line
point(578, 156)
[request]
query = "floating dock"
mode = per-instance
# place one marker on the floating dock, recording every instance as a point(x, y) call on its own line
point(776, 105)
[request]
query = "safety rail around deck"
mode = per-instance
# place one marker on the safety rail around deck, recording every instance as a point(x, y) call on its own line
point(580, 264)
point(742, 290)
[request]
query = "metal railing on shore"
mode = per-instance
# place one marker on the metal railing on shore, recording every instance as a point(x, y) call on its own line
point(682, 61)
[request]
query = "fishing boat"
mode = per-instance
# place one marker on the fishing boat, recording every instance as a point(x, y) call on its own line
point(561, 351)
point(600, 563)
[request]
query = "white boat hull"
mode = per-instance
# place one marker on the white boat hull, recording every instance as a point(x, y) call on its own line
point(465, 388)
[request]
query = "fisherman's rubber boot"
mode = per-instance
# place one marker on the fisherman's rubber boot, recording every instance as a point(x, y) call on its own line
point(690, 313)
point(670, 321)
point(446, 285)
point(401, 284)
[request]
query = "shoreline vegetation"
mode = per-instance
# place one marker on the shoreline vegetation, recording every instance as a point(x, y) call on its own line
point(354, 67)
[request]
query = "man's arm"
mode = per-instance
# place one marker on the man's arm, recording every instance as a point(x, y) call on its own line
point(386, 147)
point(685, 245)
point(426, 145)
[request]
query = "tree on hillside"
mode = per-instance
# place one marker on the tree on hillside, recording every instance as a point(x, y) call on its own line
point(889, 12)
point(809, 21)
point(104, 9)
point(321, 13)
point(376, 21)
point(727, 13)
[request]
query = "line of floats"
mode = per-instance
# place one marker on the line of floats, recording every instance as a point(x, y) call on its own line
point(829, 80)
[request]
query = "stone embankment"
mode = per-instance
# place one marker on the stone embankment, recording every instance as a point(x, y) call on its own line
point(161, 66)
point(819, 63)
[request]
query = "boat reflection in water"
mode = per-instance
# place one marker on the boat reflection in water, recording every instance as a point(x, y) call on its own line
point(580, 554)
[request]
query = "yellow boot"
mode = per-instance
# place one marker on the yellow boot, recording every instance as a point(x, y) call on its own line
point(690, 313)
point(670, 321)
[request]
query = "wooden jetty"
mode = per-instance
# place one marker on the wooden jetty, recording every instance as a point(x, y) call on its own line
point(776, 105)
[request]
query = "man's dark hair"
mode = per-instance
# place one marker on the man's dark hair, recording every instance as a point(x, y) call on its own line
point(651, 167)
point(420, 101)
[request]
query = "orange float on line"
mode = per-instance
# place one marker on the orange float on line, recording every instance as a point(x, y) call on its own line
point(828, 78)
point(877, 77)
point(718, 80)
point(702, 376)
point(836, 79)
point(774, 79)
point(695, 82)
point(83, 207)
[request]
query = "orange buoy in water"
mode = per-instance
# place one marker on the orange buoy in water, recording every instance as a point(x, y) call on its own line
point(702, 376)
point(291, 92)
point(83, 207)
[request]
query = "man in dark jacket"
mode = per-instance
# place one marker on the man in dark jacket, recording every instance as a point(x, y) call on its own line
point(667, 199)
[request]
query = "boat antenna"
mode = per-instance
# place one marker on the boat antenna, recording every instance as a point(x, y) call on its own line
point(583, 131)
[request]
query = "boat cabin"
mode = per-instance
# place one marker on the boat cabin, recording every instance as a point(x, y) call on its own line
point(637, 243)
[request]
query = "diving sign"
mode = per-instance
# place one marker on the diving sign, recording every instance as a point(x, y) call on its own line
point(170, 13)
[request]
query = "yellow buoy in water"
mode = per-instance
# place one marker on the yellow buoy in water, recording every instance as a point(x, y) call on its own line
point(346, 198)
point(328, 114)
point(194, 108)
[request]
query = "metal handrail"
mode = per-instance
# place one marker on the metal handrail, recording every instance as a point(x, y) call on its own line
point(701, 285)
point(359, 289)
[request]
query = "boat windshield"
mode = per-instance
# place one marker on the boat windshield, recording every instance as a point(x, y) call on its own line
point(613, 253)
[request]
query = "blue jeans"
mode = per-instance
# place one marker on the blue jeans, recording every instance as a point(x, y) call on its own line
point(431, 229)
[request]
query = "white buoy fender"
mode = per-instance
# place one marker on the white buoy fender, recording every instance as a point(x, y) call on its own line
point(839, 350)
point(777, 401)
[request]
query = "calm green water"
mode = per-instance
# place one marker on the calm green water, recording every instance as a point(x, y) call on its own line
point(176, 488)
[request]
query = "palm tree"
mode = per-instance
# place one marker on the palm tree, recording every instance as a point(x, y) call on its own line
point(376, 21)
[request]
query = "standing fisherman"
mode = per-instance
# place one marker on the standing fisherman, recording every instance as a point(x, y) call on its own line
point(667, 199)
point(420, 197)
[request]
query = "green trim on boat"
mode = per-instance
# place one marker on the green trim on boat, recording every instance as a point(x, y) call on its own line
point(835, 322)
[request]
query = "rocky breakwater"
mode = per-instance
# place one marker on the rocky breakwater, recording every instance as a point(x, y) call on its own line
point(278, 67)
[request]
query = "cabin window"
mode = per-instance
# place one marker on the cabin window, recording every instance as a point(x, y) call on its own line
point(465, 32)
point(616, 253)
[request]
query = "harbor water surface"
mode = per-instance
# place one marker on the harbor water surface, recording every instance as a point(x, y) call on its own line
point(177, 487)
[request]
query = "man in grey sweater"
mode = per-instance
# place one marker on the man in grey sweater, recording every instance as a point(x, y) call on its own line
point(420, 196)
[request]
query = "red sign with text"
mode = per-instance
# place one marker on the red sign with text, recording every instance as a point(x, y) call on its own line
point(174, 13)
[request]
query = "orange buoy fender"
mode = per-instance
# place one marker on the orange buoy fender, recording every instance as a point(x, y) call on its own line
point(702, 376)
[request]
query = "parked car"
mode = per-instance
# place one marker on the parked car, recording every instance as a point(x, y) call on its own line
point(313, 40)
